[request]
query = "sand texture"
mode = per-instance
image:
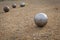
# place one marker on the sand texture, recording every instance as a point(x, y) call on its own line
point(18, 23)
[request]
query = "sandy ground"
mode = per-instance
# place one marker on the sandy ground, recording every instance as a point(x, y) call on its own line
point(18, 23)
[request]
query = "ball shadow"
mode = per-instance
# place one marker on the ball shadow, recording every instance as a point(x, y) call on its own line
point(39, 27)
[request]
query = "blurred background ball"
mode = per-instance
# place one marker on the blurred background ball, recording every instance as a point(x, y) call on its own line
point(22, 4)
point(14, 6)
point(41, 19)
point(6, 9)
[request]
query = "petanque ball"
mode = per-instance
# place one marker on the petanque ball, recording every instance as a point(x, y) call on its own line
point(22, 4)
point(6, 9)
point(14, 6)
point(41, 19)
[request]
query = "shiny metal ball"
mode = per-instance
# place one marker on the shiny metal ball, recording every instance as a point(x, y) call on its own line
point(6, 9)
point(14, 6)
point(41, 19)
point(22, 4)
